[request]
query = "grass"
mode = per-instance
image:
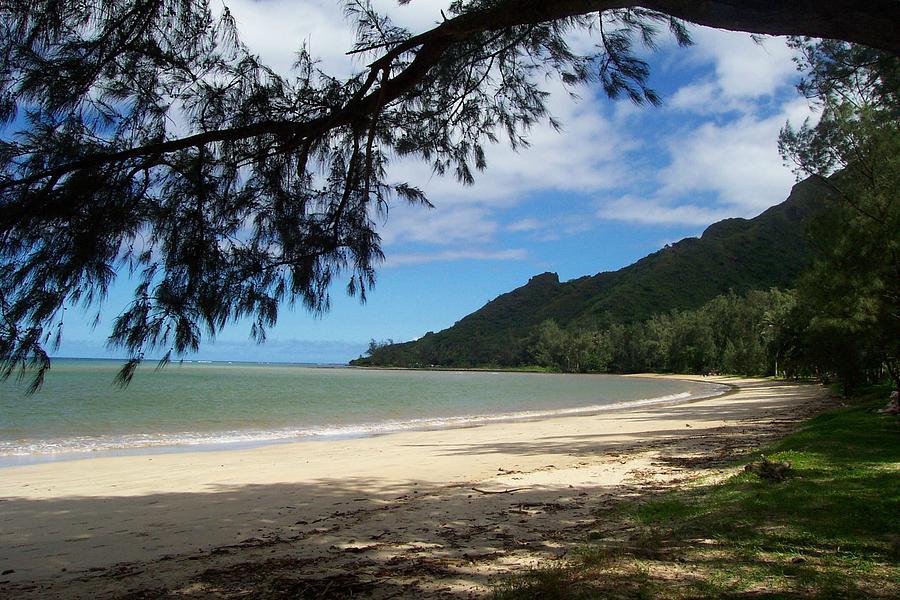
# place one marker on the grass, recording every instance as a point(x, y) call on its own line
point(831, 529)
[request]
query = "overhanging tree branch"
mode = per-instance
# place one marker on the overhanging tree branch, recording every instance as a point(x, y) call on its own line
point(281, 178)
point(871, 22)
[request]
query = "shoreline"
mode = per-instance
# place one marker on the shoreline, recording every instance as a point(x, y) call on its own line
point(243, 440)
point(481, 501)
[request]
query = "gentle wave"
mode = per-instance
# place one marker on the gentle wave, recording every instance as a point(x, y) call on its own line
point(188, 439)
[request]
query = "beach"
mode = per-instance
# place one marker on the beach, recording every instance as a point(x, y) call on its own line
point(438, 513)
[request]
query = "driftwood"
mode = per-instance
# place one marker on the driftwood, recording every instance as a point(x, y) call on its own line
point(509, 491)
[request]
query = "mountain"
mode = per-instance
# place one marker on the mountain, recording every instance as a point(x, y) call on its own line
point(767, 251)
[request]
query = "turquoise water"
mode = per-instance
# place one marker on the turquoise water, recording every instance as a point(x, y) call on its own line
point(195, 405)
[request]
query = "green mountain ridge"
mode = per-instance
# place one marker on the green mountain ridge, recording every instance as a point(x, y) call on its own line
point(767, 251)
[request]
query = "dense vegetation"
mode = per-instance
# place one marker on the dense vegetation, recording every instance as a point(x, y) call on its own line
point(727, 334)
point(696, 307)
point(829, 530)
point(735, 255)
point(143, 137)
point(847, 318)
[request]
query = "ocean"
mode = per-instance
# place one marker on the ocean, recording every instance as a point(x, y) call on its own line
point(203, 405)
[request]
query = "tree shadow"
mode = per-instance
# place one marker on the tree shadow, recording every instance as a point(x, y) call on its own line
point(801, 538)
point(349, 536)
point(328, 538)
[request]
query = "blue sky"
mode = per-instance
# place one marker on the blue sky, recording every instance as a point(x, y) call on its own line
point(617, 183)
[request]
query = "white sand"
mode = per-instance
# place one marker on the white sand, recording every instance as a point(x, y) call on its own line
point(100, 526)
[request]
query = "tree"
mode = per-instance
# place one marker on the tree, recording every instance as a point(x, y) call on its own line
point(782, 334)
point(851, 297)
point(548, 346)
point(375, 346)
point(153, 141)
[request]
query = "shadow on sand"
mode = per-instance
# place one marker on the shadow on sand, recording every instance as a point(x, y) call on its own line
point(362, 536)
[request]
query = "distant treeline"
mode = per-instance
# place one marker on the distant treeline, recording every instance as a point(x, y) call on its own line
point(841, 320)
point(759, 333)
point(730, 334)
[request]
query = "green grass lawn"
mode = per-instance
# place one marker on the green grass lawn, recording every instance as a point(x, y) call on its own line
point(831, 529)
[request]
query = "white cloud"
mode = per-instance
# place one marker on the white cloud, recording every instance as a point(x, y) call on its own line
point(726, 163)
point(580, 158)
point(399, 260)
point(744, 73)
point(446, 224)
point(653, 212)
point(562, 224)
point(528, 224)
point(585, 157)
point(743, 67)
point(417, 16)
point(738, 161)
point(695, 96)
point(277, 29)
point(734, 161)
point(733, 165)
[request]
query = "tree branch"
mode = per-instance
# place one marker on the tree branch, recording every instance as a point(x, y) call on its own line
point(870, 22)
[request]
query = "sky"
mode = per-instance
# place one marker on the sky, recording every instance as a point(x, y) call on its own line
point(617, 183)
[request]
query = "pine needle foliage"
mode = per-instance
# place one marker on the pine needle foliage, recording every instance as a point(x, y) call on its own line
point(849, 302)
point(143, 137)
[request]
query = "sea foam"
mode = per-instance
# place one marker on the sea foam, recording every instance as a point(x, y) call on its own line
point(79, 446)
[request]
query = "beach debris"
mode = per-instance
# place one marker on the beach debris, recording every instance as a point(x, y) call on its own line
point(893, 406)
point(509, 491)
point(352, 549)
point(509, 471)
point(767, 469)
point(145, 594)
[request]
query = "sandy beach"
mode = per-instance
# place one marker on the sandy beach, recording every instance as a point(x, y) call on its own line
point(428, 513)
